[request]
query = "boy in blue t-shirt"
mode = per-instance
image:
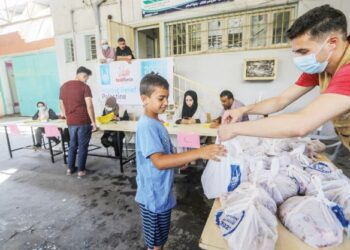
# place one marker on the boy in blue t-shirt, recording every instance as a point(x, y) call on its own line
point(156, 162)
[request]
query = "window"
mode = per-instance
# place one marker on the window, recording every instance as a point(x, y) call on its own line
point(258, 30)
point(69, 50)
point(90, 46)
point(214, 34)
point(235, 32)
point(177, 39)
point(248, 29)
point(280, 25)
point(194, 37)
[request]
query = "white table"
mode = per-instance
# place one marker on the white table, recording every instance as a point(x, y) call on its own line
point(121, 126)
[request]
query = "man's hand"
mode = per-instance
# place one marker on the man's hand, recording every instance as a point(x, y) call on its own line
point(94, 127)
point(212, 152)
point(214, 124)
point(233, 115)
point(225, 132)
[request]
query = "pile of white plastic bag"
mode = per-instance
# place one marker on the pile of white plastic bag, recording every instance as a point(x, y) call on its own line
point(261, 179)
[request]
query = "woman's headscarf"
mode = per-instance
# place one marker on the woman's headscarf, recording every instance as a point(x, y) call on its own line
point(186, 110)
point(111, 102)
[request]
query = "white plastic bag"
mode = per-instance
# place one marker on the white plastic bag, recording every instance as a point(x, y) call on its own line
point(245, 192)
point(301, 177)
point(312, 220)
point(279, 186)
point(337, 191)
point(247, 224)
point(222, 177)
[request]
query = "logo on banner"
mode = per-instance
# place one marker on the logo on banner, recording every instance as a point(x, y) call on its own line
point(123, 74)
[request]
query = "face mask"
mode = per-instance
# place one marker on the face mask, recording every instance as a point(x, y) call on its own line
point(105, 46)
point(41, 109)
point(108, 109)
point(309, 63)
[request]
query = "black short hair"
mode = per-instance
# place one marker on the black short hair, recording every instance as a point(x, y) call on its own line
point(82, 69)
point(318, 22)
point(40, 102)
point(226, 93)
point(121, 39)
point(150, 81)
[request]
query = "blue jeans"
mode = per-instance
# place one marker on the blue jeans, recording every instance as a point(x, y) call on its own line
point(79, 143)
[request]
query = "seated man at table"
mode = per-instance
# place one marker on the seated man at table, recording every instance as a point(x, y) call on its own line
point(43, 114)
point(228, 103)
point(123, 52)
point(110, 138)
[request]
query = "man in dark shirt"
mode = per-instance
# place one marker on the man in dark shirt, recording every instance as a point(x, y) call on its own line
point(123, 52)
point(76, 105)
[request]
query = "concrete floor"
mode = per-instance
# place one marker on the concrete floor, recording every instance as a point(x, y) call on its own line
point(41, 208)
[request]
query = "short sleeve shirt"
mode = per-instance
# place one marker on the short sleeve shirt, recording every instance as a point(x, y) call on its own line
point(73, 94)
point(125, 52)
point(339, 84)
point(154, 186)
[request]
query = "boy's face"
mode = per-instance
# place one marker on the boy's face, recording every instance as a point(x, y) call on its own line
point(157, 102)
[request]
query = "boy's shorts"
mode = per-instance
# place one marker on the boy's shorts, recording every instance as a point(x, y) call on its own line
point(156, 226)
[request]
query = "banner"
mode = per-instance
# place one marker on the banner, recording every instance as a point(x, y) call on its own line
point(122, 79)
point(156, 7)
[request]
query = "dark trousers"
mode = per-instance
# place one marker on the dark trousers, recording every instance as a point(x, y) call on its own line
point(110, 139)
point(78, 144)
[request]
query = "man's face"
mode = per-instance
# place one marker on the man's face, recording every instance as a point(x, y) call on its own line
point(158, 101)
point(121, 45)
point(83, 77)
point(305, 45)
point(226, 102)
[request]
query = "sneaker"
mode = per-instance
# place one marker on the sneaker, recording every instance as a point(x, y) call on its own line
point(37, 146)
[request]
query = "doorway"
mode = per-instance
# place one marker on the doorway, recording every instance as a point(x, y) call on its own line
point(12, 86)
point(148, 43)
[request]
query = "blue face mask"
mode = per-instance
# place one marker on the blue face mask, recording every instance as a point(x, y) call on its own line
point(309, 63)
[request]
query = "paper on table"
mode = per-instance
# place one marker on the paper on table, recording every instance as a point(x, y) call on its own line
point(14, 129)
point(105, 118)
point(188, 140)
point(51, 131)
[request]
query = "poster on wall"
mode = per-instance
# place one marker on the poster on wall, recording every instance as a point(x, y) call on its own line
point(122, 79)
point(157, 7)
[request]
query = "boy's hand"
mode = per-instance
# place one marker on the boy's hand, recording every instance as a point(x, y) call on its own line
point(212, 152)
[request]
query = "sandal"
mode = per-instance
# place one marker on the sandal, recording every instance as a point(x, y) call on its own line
point(69, 172)
point(81, 174)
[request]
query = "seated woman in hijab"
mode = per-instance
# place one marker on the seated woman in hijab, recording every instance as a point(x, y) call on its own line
point(110, 138)
point(43, 114)
point(190, 113)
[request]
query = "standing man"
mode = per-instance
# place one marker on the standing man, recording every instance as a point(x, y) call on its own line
point(321, 50)
point(123, 52)
point(228, 103)
point(76, 105)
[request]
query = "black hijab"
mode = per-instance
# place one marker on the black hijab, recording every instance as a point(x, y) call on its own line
point(189, 111)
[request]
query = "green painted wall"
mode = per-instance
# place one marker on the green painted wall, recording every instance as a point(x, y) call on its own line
point(4, 111)
point(37, 79)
